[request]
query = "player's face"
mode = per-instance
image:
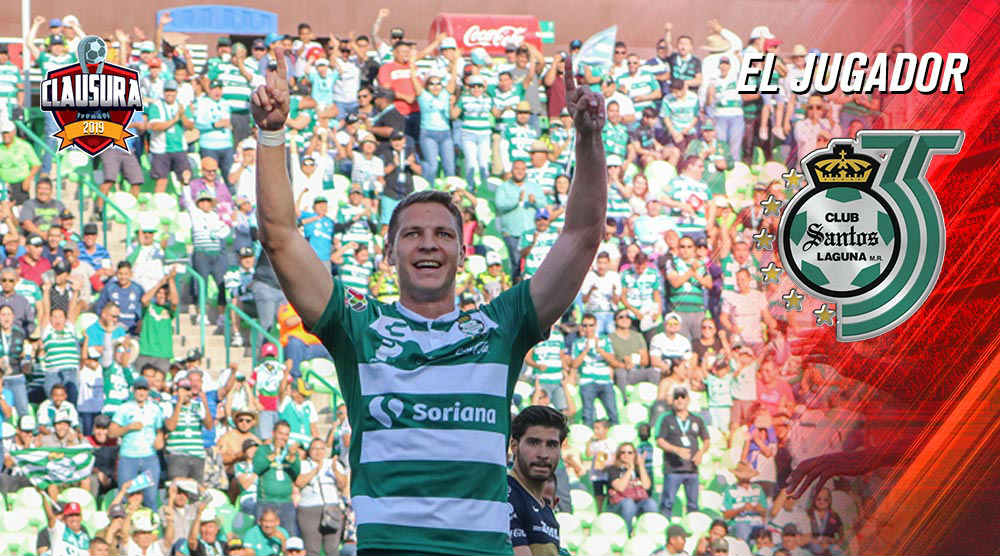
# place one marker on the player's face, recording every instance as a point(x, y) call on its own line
point(427, 251)
point(537, 453)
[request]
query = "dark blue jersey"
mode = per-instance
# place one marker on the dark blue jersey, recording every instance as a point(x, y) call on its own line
point(532, 524)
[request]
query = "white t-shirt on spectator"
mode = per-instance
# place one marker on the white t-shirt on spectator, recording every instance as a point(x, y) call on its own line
point(625, 106)
point(325, 480)
point(745, 309)
point(661, 346)
point(745, 385)
point(607, 286)
point(246, 186)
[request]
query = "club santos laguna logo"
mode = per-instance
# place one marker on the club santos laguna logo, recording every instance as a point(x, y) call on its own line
point(867, 232)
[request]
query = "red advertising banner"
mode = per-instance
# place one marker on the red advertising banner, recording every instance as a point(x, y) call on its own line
point(492, 32)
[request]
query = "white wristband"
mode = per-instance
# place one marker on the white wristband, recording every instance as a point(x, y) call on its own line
point(271, 138)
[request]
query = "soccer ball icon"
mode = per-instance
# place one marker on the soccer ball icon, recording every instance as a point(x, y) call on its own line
point(92, 50)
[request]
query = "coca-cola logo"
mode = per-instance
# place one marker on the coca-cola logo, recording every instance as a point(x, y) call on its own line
point(475, 36)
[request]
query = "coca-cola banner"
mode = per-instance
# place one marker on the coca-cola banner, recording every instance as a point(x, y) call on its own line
point(492, 32)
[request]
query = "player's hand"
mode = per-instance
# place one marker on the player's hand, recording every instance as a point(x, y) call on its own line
point(585, 106)
point(270, 102)
point(383, 13)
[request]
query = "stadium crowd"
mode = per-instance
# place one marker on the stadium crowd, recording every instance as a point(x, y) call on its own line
point(679, 331)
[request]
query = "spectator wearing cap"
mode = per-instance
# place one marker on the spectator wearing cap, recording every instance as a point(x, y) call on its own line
point(24, 311)
point(724, 104)
point(536, 244)
point(213, 120)
point(126, 294)
point(367, 169)
point(744, 504)
point(205, 535)
point(716, 155)
point(818, 123)
point(91, 252)
point(243, 172)
point(233, 444)
point(684, 439)
point(67, 534)
point(626, 110)
point(319, 229)
point(147, 256)
point(321, 81)
point(68, 226)
point(12, 477)
point(63, 433)
point(493, 281)
point(473, 109)
point(32, 265)
point(11, 88)
point(300, 414)
point(542, 170)
point(18, 162)
point(237, 282)
point(152, 84)
point(313, 167)
point(208, 231)
point(138, 423)
point(676, 540)
point(592, 356)
point(401, 165)
point(168, 119)
point(434, 98)
point(184, 447)
point(144, 529)
point(246, 218)
point(13, 359)
point(516, 200)
point(159, 306)
point(387, 118)
point(54, 57)
point(516, 140)
point(40, 213)
point(80, 272)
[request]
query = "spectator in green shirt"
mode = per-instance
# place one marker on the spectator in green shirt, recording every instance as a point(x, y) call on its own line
point(277, 466)
point(18, 164)
point(267, 538)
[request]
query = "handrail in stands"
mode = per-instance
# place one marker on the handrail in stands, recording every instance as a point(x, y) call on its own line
point(256, 332)
point(45, 146)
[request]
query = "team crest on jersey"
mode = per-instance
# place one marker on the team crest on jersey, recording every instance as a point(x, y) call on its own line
point(867, 232)
point(470, 325)
point(355, 300)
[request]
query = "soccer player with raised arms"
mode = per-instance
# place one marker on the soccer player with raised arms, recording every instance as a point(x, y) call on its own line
point(428, 387)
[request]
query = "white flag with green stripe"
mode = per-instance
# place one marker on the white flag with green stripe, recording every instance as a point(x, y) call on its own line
point(55, 465)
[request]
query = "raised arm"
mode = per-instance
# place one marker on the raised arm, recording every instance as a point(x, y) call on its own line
point(306, 282)
point(562, 271)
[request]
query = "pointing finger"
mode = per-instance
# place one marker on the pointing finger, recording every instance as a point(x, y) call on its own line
point(279, 54)
point(568, 76)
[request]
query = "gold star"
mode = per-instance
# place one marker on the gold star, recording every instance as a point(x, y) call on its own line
point(793, 300)
point(824, 316)
point(764, 239)
point(770, 273)
point(792, 179)
point(771, 205)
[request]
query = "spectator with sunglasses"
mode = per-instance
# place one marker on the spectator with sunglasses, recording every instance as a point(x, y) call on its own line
point(819, 122)
point(347, 86)
point(629, 485)
point(435, 125)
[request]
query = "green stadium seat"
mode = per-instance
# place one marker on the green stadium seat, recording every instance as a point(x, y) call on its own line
point(596, 545)
point(622, 433)
point(697, 523)
point(219, 498)
point(420, 184)
point(582, 501)
point(455, 182)
point(643, 545)
point(484, 212)
point(84, 321)
point(124, 201)
point(659, 173)
point(646, 393)
point(495, 243)
point(226, 515)
point(571, 532)
point(630, 172)
point(477, 264)
point(14, 521)
point(610, 524)
point(524, 390)
point(242, 523)
point(82, 497)
point(635, 413)
point(107, 498)
point(579, 434)
point(324, 368)
point(18, 543)
point(98, 521)
point(652, 524)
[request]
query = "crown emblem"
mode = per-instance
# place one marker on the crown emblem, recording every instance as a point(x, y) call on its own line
point(842, 166)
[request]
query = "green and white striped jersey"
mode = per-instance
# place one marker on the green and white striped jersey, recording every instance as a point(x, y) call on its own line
point(546, 239)
point(476, 116)
point(62, 349)
point(506, 103)
point(10, 83)
point(170, 140)
point(186, 439)
point(235, 88)
point(544, 176)
point(680, 111)
point(640, 84)
point(519, 139)
point(429, 405)
point(695, 193)
point(548, 354)
point(690, 296)
point(356, 275)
